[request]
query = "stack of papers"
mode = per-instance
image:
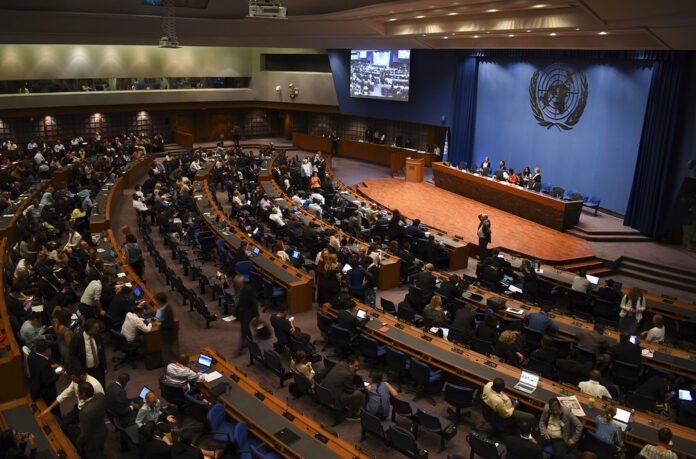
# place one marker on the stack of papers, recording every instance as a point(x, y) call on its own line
point(212, 376)
point(572, 403)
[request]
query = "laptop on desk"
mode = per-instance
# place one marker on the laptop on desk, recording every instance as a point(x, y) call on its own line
point(622, 418)
point(528, 382)
point(204, 362)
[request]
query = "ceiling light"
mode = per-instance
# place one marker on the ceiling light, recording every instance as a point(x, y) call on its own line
point(528, 30)
point(553, 34)
point(492, 10)
point(541, 5)
point(445, 38)
point(423, 35)
point(392, 19)
point(420, 17)
point(603, 32)
point(578, 28)
point(476, 36)
point(512, 35)
point(452, 14)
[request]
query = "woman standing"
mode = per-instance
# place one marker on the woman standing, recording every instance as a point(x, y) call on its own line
point(61, 325)
point(131, 250)
point(632, 308)
point(332, 277)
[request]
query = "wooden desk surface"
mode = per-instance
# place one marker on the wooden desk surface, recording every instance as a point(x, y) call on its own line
point(458, 248)
point(461, 363)
point(299, 285)
point(334, 444)
point(540, 208)
point(655, 304)
point(390, 268)
point(22, 414)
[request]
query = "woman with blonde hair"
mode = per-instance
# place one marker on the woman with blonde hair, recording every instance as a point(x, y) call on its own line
point(632, 308)
point(332, 277)
point(506, 348)
point(433, 312)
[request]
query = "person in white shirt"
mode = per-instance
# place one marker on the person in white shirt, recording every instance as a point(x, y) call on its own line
point(317, 197)
point(195, 166)
point(32, 145)
point(74, 239)
point(297, 200)
point(657, 333)
point(39, 158)
point(131, 324)
point(138, 204)
point(77, 375)
point(580, 283)
point(593, 386)
point(59, 147)
point(314, 209)
point(277, 217)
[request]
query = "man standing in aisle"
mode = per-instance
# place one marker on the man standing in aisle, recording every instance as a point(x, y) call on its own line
point(247, 309)
point(484, 236)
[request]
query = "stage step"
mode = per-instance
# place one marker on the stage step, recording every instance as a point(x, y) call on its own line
point(584, 265)
point(608, 236)
point(601, 272)
point(659, 274)
point(174, 146)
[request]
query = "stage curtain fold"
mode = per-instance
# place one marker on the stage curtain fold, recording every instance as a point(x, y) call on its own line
point(648, 203)
point(464, 111)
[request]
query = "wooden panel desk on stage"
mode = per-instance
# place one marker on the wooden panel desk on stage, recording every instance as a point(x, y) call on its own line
point(537, 207)
point(266, 414)
point(458, 363)
point(394, 157)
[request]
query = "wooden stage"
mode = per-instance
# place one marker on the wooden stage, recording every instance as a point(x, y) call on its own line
point(456, 215)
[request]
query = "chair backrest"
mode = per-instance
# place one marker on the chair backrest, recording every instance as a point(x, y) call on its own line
point(545, 369)
point(387, 306)
point(481, 446)
point(254, 349)
point(595, 200)
point(591, 442)
point(324, 395)
point(371, 423)
point(402, 439)
point(420, 371)
point(120, 341)
point(216, 416)
point(368, 345)
point(273, 361)
point(173, 394)
point(324, 322)
point(241, 435)
point(640, 402)
point(481, 346)
point(562, 346)
point(402, 407)
point(586, 355)
point(396, 360)
point(302, 383)
point(195, 408)
point(340, 335)
point(429, 422)
point(459, 396)
point(243, 267)
point(624, 372)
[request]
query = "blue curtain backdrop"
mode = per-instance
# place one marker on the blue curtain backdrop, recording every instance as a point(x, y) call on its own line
point(653, 181)
point(464, 111)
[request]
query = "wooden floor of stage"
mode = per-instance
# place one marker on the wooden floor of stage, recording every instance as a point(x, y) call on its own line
point(456, 215)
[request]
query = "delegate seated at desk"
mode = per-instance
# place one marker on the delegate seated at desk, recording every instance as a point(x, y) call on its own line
point(500, 403)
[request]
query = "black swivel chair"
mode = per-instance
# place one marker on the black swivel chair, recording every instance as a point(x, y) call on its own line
point(424, 378)
point(405, 442)
point(374, 425)
point(437, 424)
point(460, 398)
point(129, 350)
point(398, 364)
point(173, 394)
point(273, 363)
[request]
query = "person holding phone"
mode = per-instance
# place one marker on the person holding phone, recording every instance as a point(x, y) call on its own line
point(632, 309)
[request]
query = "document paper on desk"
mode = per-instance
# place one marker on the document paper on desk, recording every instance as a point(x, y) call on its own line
point(212, 376)
point(572, 403)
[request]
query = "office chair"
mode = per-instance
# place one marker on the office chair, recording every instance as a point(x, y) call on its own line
point(586, 355)
point(129, 350)
point(498, 424)
point(593, 203)
point(590, 442)
point(483, 447)
point(404, 441)
point(545, 369)
point(481, 346)
point(404, 407)
point(640, 402)
point(326, 398)
point(398, 364)
point(304, 387)
point(273, 363)
point(243, 268)
point(221, 429)
point(342, 339)
point(459, 397)
point(324, 324)
point(532, 338)
point(173, 394)
point(244, 440)
point(625, 374)
point(374, 425)
point(370, 348)
point(197, 409)
point(424, 377)
point(437, 424)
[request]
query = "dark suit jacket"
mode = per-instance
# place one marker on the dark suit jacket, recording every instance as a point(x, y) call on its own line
point(92, 427)
point(486, 230)
point(449, 290)
point(426, 281)
point(521, 448)
point(347, 320)
point(118, 404)
point(247, 308)
point(167, 328)
point(42, 384)
point(118, 309)
point(627, 352)
point(464, 319)
point(339, 380)
point(79, 355)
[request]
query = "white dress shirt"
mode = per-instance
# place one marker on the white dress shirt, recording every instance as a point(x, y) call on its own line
point(89, 357)
point(72, 389)
point(132, 324)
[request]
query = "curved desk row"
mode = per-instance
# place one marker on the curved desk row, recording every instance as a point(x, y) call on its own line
point(266, 415)
point(298, 285)
point(390, 268)
point(669, 307)
point(460, 363)
point(459, 250)
point(664, 357)
point(22, 414)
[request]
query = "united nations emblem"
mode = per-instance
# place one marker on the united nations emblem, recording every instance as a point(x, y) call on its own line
point(558, 95)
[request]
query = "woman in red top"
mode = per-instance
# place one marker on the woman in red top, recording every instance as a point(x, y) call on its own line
point(513, 176)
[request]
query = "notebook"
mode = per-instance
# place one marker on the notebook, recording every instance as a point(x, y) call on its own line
point(528, 382)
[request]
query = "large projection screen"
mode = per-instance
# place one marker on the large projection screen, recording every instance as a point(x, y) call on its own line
point(380, 73)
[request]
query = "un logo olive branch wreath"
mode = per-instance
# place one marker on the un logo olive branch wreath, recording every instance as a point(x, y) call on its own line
point(562, 123)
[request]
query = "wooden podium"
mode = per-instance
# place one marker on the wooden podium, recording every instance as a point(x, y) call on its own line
point(414, 170)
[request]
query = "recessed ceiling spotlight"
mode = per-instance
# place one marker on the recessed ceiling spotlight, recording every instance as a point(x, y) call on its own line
point(553, 34)
point(603, 32)
point(445, 38)
point(528, 30)
point(423, 35)
point(420, 17)
point(492, 10)
point(392, 19)
point(476, 36)
point(512, 35)
point(541, 5)
point(452, 14)
point(578, 28)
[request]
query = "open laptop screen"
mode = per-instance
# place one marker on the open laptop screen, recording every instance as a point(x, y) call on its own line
point(144, 391)
point(529, 378)
point(593, 279)
point(685, 395)
point(205, 360)
point(622, 415)
point(361, 313)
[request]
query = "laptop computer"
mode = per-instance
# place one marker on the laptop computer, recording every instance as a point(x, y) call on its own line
point(112, 253)
point(685, 395)
point(594, 280)
point(204, 362)
point(296, 254)
point(634, 339)
point(445, 332)
point(361, 313)
point(622, 418)
point(138, 291)
point(143, 392)
point(255, 252)
point(528, 382)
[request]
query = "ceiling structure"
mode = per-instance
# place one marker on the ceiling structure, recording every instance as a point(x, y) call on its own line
point(569, 24)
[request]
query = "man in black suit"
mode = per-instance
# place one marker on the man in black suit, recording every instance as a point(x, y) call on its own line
point(117, 401)
point(414, 230)
point(425, 280)
point(120, 306)
point(609, 293)
point(167, 329)
point(87, 351)
point(626, 351)
point(450, 288)
point(523, 445)
point(484, 235)
point(92, 437)
point(247, 309)
point(340, 380)
point(42, 383)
